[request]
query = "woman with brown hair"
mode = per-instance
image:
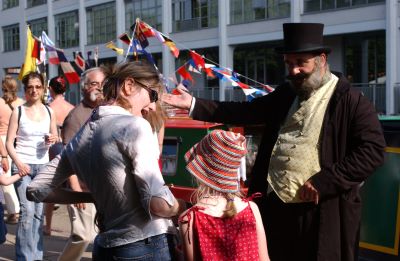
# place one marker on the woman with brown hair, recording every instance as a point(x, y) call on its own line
point(115, 154)
point(33, 128)
point(8, 102)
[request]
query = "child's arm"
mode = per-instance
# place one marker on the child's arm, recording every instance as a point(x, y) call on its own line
point(4, 158)
point(261, 238)
point(186, 232)
point(5, 181)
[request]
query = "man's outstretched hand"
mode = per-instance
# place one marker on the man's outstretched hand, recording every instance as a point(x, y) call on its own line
point(182, 100)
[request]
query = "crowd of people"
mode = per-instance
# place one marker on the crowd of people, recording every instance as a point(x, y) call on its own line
point(102, 158)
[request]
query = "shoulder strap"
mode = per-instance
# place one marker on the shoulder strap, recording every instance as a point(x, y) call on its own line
point(11, 107)
point(19, 114)
point(48, 110)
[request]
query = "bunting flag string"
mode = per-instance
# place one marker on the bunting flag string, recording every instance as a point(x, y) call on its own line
point(197, 63)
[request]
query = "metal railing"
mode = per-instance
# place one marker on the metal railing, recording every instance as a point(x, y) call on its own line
point(376, 93)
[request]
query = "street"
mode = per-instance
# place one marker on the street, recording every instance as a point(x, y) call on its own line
point(53, 245)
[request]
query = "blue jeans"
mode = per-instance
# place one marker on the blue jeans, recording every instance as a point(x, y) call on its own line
point(29, 240)
point(157, 248)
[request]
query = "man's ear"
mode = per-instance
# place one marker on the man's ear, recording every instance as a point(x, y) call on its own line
point(324, 59)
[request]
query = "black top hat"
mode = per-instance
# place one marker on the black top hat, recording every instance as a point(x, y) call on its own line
point(303, 38)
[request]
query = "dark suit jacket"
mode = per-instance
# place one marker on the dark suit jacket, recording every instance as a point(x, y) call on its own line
point(352, 146)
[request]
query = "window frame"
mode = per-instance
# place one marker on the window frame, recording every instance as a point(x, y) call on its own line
point(13, 44)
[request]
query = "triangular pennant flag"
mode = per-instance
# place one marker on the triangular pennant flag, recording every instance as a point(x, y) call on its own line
point(89, 63)
point(80, 62)
point(36, 48)
point(112, 46)
point(184, 73)
point(42, 53)
point(69, 72)
point(172, 46)
point(146, 29)
point(41, 62)
point(142, 39)
point(50, 48)
point(125, 38)
point(46, 40)
point(193, 67)
point(198, 60)
point(30, 62)
point(267, 88)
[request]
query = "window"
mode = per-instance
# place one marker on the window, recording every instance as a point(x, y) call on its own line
point(38, 25)
point(101, 25)
point(32, 3)
point(67, 29)
point(365, 57)
point(243, 11)
point(11, 38)
point(10, 3)
point(259, 63)
point(319, 5)
point(149, 11)
point(194, 14)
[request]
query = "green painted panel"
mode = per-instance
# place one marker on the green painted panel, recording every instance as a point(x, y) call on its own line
point(186, 138)
point(380, 196)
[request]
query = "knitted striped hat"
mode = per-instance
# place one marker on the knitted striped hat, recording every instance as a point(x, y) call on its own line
point(216, 158)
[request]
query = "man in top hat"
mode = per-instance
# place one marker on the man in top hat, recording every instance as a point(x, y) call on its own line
point(321, 142)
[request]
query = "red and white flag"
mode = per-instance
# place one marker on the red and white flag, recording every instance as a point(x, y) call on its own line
point(69, 72)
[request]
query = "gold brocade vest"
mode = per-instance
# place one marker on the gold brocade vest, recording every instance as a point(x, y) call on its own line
point(295, 156)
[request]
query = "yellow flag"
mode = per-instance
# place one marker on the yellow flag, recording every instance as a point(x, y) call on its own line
point(30, 62)
point(113, 47)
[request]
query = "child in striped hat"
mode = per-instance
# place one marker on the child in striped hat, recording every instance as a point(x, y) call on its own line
point(222, 225)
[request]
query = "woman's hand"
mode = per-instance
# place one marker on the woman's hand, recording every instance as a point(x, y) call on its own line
point(50, 138)
point(24, 169)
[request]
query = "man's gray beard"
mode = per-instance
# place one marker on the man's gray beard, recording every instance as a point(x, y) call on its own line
point(312, 83)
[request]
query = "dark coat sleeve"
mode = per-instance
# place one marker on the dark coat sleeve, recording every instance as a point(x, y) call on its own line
point(262, 110)
point(355, 136)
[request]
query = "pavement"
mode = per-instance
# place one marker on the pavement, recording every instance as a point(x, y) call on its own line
point(53, 245)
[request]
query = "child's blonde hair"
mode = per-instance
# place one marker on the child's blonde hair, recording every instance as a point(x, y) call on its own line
point(204, 191)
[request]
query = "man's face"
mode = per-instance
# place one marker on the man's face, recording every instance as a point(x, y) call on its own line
point(305, 71)
point(93, 86)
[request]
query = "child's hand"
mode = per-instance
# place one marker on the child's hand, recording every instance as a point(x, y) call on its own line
point(4, 164)
point(24, 169)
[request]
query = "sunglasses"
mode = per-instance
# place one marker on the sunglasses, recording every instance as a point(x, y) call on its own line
point(152, 93)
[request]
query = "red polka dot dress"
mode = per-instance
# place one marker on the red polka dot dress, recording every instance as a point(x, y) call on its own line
point(226, 238)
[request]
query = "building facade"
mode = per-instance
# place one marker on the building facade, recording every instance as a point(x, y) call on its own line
point(238, 34)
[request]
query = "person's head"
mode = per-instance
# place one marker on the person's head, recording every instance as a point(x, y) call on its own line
point(33, 86)
point(305, 57)
point(57, 86)
point(91, 85)
point(215, 161)
point(9, 88)
point(134, 86)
